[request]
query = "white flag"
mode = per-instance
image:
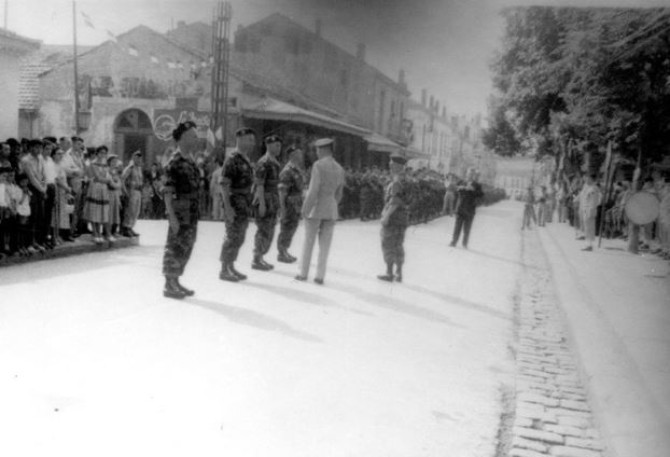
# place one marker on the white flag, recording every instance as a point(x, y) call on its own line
point(210, 137)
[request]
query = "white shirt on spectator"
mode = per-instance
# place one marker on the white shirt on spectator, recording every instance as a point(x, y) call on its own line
point(23, 204)
point(50, 171)
point(4, 195)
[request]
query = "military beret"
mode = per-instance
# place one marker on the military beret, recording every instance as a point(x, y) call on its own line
point(322, 142)
point(244, 131)
point(291, 149)
point(181, 129)
point(272, 139)
point(34, 142)
point(76, 138)
point(397, 158)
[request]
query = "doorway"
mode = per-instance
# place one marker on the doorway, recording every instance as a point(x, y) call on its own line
point(133, 131)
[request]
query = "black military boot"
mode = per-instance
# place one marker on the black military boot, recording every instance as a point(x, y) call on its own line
point(284, 257)
point(259, 264)
point(389, 273)
point(172, 289)
point(187, 292)
point(239, 275)
point(226, 274)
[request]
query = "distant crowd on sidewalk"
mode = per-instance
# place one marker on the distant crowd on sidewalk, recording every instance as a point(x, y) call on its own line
point(581, 202)
point(54, 190)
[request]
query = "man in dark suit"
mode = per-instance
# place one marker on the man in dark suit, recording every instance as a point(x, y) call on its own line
point(468, 194)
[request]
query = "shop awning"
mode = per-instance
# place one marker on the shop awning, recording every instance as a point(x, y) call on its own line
point(269, 108)
point(411, 153)
point(377, 142)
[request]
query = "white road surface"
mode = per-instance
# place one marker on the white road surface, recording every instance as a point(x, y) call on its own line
point(95, 362)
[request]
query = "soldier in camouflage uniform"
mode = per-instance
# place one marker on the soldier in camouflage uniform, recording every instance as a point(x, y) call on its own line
point(394, 221)
point(291, 184)
point(266, 201)
point(236, 181)
point(181, 204)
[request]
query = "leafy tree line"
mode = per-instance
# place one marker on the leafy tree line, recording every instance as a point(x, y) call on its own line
point(570, 80)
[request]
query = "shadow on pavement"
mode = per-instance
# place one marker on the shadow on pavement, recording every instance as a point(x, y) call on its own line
point(393, 304)
point(305, 297)
point(450, 299)
point(503, 259)
point(254, 319)
point(422, 290)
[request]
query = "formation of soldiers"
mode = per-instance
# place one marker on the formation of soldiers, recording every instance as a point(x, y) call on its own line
point(269, 193)
point(364, 195)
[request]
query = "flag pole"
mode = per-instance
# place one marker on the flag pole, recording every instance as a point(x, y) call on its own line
point(76, 73)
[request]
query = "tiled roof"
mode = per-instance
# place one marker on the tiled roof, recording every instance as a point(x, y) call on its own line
point(36, 63)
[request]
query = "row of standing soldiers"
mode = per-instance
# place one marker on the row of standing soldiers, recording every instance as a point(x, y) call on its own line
point(363, 196)
point(263, 191)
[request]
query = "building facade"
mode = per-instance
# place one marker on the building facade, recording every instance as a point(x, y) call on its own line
point(328, 79)
point(131, 91)
point(12, 49)
point(430, 133)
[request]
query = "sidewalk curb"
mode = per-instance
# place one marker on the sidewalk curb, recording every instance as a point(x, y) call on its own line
point(82, 245)
point(622, 407)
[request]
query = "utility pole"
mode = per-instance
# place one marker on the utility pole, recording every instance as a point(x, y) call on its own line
point(220, 69)
point(76, 74)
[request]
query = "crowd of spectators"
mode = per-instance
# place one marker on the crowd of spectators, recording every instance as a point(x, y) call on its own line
point(52, 191)
point(581, 201)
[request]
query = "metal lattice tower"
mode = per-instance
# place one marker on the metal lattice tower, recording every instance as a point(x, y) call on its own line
point(221, 55)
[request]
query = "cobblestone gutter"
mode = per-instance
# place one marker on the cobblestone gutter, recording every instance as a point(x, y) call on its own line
point(548, 411)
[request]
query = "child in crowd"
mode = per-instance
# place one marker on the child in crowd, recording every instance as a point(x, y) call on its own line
point(23, 229)
point(6, 213)
point(115, 192)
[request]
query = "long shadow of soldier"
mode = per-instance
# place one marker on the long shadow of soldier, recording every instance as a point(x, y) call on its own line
point(253, 319)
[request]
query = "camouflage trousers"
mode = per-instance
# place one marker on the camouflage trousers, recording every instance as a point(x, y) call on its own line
point(393, 238)
point(236, 230)
point(180, 243)
point(287, 228)
point(265, 225)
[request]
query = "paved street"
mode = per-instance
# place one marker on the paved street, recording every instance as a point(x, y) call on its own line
point(521, 346)
point(94, 361)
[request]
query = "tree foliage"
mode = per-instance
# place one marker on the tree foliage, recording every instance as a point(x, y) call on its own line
point(583, 75)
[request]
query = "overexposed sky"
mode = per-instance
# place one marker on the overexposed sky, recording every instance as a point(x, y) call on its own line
point(445, 46)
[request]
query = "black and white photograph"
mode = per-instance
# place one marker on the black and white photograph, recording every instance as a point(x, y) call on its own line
point(335, 228)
